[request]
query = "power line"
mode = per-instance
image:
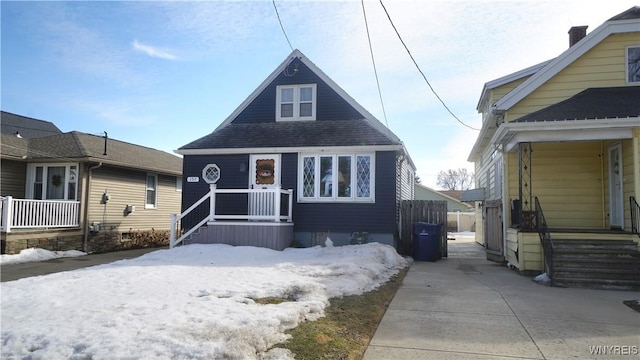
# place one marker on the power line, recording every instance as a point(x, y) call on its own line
point(419, 70)
point(375, 71)
point(282, 27)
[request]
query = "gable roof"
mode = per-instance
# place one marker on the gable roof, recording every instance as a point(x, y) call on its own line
point(26, 127)
point(593, 103)
point(82, 147)
point(364, 130)
point(87, 147)
point(623, 23)
point(297, 54)
point(507, 79)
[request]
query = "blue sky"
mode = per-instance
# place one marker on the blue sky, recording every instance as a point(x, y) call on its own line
point(162, 74)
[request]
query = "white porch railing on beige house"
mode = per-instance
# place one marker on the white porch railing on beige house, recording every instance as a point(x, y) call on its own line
point(263, 205)
point(38, 214)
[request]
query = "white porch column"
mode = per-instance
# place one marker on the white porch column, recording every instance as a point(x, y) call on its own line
point(276, 194)
point(7, 213)
point(212, 202)
point(172, 232)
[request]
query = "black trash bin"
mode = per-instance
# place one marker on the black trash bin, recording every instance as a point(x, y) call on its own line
point(426, 242)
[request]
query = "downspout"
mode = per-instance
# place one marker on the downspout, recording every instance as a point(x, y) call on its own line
point(505, 202)
point(604, 207)
point(636, 163)
point(86, 207)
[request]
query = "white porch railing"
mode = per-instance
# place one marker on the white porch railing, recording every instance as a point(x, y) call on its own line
point(38, 214)
point(263, 205)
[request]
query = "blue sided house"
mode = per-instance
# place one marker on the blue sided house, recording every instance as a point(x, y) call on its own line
point(298, 161)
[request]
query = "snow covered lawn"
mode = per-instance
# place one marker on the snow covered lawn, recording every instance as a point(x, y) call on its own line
point(190, 302)
point(36, 254)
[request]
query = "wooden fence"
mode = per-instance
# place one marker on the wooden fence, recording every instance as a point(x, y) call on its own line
point(427, 211)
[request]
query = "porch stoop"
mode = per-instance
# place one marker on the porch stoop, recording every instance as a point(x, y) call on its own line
point(599, 264)
point(272, 235)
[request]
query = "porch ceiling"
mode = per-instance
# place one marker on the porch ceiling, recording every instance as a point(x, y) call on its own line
point(510, 134)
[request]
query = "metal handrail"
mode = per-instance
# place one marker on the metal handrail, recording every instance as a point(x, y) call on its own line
point(545, 239)
point(635, 215)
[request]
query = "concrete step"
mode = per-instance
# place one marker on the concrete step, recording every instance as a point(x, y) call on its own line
point(598, 264)
point(594, 244)
point(633, 285)
point(596, 273)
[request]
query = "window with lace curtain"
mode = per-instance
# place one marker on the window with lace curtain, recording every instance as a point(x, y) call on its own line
point(336, 177)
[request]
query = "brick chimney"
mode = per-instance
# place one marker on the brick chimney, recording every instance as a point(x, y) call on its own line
point(576, 33)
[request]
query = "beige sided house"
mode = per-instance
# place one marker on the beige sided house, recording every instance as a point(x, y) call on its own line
point(66, 191)
point(557, 161)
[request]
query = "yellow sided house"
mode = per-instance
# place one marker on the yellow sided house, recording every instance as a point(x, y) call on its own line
point(557, 161)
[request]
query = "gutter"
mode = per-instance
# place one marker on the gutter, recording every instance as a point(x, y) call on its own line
point(86, 207)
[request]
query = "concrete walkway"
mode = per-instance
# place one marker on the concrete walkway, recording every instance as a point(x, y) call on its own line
point(12, 272)
point(464, 307)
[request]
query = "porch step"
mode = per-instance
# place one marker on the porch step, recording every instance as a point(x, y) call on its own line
point(605, 284)
point(592, 263)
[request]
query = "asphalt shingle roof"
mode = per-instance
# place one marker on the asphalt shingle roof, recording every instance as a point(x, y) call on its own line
point(25, 126)
point(78, 146)
point(593, 103)
point(293, 134)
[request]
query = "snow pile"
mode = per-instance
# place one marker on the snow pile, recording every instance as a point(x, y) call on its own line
point(35, 254)
point(191, 302)
point(328, 242)
point(542, 279)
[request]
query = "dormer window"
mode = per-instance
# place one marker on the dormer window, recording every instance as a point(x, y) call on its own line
point(296, 102)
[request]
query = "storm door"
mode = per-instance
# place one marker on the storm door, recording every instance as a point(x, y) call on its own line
point(616, 202)
point(264, 175)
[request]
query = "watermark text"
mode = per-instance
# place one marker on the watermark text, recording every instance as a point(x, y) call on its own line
point(613, 350)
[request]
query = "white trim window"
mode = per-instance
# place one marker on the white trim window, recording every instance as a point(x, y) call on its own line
point(151, 192)
point(53, 181)
point(296, 102)
point(633, 64)
point(354, 175)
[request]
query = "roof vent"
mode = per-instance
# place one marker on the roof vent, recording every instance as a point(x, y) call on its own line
point(577, 33)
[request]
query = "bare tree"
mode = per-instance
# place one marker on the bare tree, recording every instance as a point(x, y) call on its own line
point(456, 179)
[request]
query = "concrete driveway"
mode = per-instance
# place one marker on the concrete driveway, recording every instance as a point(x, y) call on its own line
point(464, 307)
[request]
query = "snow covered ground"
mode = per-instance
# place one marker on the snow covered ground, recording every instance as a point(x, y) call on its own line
point(35, 254)
point(190, 302)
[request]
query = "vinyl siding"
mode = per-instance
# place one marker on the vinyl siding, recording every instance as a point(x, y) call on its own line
point(485, 172)
point(329, 106)
point(568, 180)
point(128, 187)
point(12, 178)
point(602, 66)
point(407, 179)
point(234, 174)
point(378, 217)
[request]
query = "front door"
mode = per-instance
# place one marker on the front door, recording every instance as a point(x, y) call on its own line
point(616, 202)
point(264, 174)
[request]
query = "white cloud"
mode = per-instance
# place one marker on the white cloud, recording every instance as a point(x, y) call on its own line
point(152, 51)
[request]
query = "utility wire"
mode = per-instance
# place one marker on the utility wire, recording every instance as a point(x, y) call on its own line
point(423, 75)
point(282, 27)
point(375, 71)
